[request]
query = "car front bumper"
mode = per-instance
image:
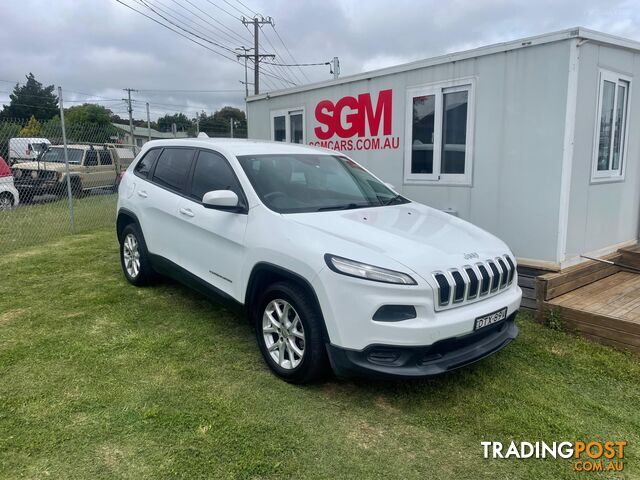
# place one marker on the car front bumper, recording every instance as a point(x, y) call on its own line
point(388, 361)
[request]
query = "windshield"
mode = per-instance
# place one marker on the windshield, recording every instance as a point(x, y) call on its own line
point(291, 183)
point(56, 154)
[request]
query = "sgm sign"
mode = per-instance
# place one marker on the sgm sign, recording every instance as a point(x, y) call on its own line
point(357, 122)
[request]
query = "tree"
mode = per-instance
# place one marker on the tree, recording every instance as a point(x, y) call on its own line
point(31, 100)
point(31, 129)
point(183, 123)
point(219, 124)
point(88, 113)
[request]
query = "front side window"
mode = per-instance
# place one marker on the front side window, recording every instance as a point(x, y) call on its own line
point(91, 158)
point(213, 172)
point(439, 133)
point(611, 127)
point(172, 167)
point(292, 183)
point(288, 125)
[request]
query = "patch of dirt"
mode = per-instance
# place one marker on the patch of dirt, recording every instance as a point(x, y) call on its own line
point(10, 315)
point(366, 435)
point(384, 404)
point(110, 455)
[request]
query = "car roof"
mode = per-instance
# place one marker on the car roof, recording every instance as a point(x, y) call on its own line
point(239, 146)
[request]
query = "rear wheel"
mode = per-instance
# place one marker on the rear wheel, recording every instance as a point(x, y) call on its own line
point(134, 257)
point(6, 201)
point(289, 333)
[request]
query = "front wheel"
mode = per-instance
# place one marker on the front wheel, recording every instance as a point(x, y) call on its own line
point(289, 333)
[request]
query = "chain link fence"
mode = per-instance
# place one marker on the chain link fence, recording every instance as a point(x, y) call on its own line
point(50, 188)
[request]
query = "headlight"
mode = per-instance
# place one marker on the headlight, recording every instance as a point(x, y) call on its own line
point(352, 268)
point(17, 173)
point(34, 174)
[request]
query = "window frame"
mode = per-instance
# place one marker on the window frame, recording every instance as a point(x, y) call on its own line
point(611, 175)
point(438, 89)
point(287, 113)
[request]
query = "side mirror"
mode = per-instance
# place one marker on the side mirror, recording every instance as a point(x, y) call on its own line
point(221, 199)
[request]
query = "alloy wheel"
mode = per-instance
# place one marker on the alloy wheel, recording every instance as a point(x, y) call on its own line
point(283, 334)
point(131, 255)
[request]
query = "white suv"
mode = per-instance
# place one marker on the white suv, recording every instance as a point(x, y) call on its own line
point(331, 265)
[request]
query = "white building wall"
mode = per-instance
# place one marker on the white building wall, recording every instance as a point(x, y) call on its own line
point(520, 104)
point(604, 215)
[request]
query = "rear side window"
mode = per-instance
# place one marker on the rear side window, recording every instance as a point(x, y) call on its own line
point(172, 167)
point(143, 167)
point(91, 159)
point(212, 172)
point(105, 158)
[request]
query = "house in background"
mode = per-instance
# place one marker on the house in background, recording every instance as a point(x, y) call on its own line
point(141, 134)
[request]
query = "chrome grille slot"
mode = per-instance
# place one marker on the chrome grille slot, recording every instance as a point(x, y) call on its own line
point(505, 273)
point(460, 286)
point(495, 276)
point(512, 267)
point(444, 289)
point(472, 282)
point(486, 279)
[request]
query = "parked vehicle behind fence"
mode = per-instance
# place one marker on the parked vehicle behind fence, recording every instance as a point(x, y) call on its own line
point(333, 267)
point(26, 149)
point(90, 167)
point(9, 196)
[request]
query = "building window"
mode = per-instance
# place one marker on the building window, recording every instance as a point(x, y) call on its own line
point(288, 125)
point(439, 133)
point(611, 127)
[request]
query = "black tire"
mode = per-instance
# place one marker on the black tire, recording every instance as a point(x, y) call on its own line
point(7, 201)
point(314, 364)
point(145, 275)
point(76, 188)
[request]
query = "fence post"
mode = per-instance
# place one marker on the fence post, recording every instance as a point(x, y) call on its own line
point(66, 163)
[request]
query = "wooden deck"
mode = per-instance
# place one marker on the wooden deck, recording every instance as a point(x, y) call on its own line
point(596, 300)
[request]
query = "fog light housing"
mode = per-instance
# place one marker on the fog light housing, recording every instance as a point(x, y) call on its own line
point(395, 313)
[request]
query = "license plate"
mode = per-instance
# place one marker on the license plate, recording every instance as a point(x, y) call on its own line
point(490, 319)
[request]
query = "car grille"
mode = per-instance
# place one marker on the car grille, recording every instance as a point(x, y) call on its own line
point(474, 281)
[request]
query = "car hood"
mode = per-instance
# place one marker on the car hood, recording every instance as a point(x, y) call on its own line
point(421, 238)
point(50, 166)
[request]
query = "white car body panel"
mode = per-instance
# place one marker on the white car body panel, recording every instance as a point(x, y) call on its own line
point(6, 185)
point(222, 248)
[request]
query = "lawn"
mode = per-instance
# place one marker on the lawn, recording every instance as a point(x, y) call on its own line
point(99, 379)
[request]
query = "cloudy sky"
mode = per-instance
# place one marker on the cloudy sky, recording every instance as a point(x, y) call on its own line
point(95, 48)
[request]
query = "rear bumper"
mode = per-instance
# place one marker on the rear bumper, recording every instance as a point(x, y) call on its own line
point(422, 361)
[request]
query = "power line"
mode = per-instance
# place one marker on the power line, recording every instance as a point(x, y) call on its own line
point(252, 11)
point(186, 36)
point(289, 52)
point(190, 91)
point(291, 74)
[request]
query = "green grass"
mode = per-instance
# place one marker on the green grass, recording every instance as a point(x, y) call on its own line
point(42, 222)
point(99, 379)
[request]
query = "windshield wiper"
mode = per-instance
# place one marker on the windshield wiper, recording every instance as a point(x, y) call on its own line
point(393, 199)
point(348, 206)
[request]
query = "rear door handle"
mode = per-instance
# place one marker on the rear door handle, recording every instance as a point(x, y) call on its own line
point(187, 212)
point(142, 193)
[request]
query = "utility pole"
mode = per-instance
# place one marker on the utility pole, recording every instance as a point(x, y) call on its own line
point(148, 124)
point(231, 122)
point(128, 100)
point(257, 22)
point(245, 56)
point(335, 68)
point(197, 126)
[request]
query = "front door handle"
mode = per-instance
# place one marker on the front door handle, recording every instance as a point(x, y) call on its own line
point(187, 212)
point(142, 193)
